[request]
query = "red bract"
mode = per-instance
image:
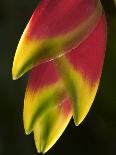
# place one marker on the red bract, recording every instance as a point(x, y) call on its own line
point(64, 43)
point(54, 29)
point(60, 17)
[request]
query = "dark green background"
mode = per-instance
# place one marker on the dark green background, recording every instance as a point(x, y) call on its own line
point(96, 135)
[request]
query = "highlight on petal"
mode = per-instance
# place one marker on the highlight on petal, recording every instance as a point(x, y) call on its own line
point(81, 71)
point(47, 108)
point(47, 37)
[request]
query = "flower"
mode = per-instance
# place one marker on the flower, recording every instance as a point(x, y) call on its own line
point(63, 44)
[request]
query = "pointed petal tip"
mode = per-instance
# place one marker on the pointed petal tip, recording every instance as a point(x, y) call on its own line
point(28, 129)
point(15, 74)
point(20, 63)
point(42, 151)
point(27, 132)
point(16, 71)
point(14, 77)
point(78, 122)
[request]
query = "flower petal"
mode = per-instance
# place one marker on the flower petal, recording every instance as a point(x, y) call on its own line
point(41, 89)
point(81, 70)
point(55, 28)
point(47, 109)
point(50, 127)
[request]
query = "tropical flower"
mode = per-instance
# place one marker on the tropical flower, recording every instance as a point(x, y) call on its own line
point(63, 44)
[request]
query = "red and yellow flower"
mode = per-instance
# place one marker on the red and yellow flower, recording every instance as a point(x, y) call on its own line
point(63, 44)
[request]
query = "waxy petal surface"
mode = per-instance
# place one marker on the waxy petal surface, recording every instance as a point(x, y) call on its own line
point(41, 85)
point(49, 128)
point(47, 109)
point(64, 43)
point(55, 28)
point(76, 75)
point(81, 71)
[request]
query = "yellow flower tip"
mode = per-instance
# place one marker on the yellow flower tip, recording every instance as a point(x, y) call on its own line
point(28, 129)
point(78, 122)
point(18, 69)
point(27, 132)
point(42, 151)
point(15, 75)
point(22, 62)
point(14, 78)
point(15, 71)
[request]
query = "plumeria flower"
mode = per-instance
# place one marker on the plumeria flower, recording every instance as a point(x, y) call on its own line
point(63, 45)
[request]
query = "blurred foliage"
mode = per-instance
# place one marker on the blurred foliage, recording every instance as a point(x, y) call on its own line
point(96, 135)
